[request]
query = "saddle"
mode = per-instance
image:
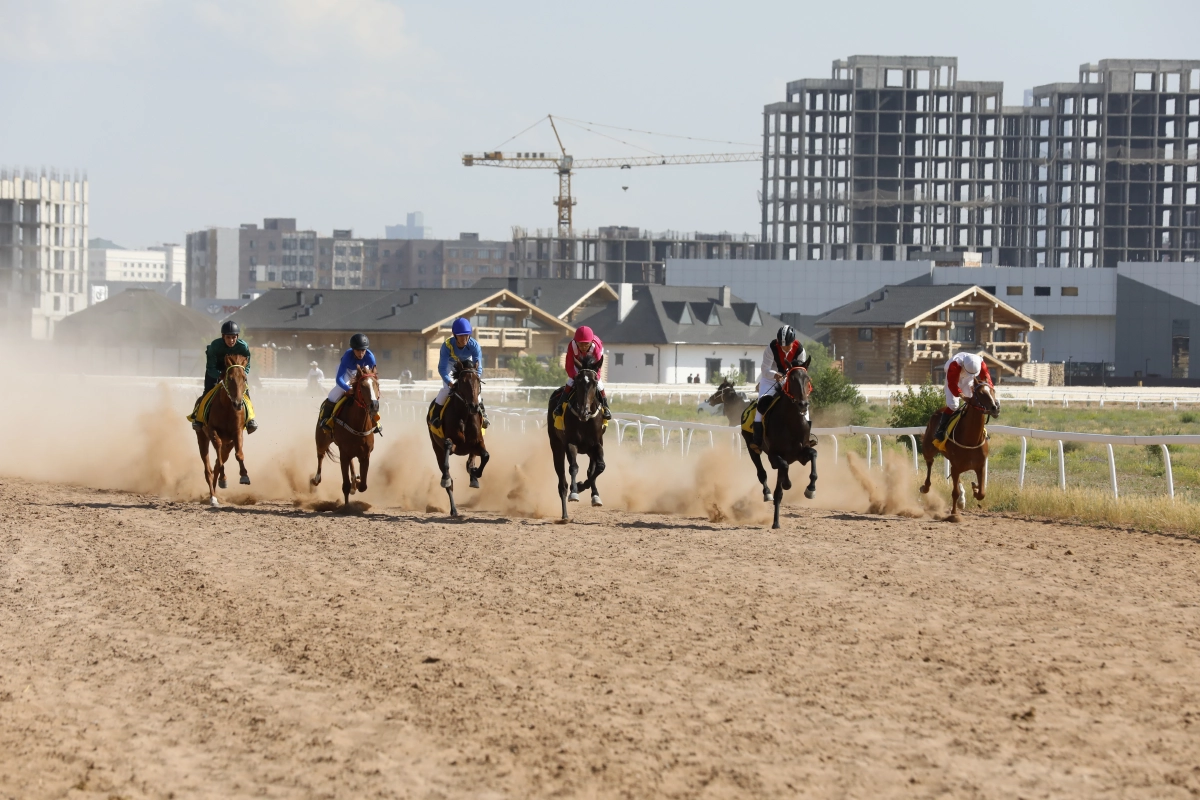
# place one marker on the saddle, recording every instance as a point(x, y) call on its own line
point(436, 425)
point(752, 406)
point(559, 401)
point(955, 418)
point(200, 412)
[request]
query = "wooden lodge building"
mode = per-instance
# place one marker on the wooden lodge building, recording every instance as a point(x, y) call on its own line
point(407, 327)
point(907, 333)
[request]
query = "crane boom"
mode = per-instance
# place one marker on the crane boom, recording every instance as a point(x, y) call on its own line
point(543, 161)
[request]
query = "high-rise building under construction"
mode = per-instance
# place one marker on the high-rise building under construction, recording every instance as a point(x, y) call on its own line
point(895, 158)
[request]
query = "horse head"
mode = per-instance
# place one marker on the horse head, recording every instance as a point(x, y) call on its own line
point(234, 379)
point(366, 389)
point(467, 385)
point(585, 400)
point(984, 398)
point(797, 387)
point(725, 391)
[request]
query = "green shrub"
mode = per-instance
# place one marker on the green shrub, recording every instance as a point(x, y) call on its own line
point(534, 373)
point(832, 388)
point(1188, 417)
point(914, 407)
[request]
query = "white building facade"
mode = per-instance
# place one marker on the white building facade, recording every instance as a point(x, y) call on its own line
point(43, 250)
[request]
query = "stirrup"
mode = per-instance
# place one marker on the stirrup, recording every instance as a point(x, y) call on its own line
point(197, 425)
point(251, 425)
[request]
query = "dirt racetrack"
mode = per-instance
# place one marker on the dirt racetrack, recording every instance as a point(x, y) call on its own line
point(667, 645)
point(153, 648)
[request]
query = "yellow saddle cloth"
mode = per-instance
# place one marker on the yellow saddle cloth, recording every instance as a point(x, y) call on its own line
point(958, 414)
point(748, 413)
point(560, 414)
point(200, 412)
point(338, 407)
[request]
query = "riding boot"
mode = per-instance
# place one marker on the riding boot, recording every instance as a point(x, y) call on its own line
point(483, 415)
point(604, 406)
point(939, 438)
point(197, 425)
point(324, 413)
point(251, 425)
point(758, 434)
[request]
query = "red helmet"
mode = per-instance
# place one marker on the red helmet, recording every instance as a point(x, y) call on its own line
point(583, 335)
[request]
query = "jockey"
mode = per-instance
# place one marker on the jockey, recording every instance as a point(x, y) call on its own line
point(359, 355)
point(961, 373)
point(780, 356)
point(587, 343)
point(461, 347)
point(214, 368)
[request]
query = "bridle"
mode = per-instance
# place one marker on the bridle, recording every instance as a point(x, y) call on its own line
point(786, 383)
point(473, 407)
point(237, 401)
point(359, 380)
point(973, 403)
point(590, 380)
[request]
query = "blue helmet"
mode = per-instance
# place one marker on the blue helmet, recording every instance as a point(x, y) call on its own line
point(461, 325)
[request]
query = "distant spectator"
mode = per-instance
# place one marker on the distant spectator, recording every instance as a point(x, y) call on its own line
point(315, 376)
point(406, 376)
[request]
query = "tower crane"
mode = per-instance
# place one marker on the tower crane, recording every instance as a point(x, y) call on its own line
point(565, 164)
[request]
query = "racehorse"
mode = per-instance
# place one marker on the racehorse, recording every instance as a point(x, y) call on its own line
point(353, 433)
point(583, 432)
point(787, 437)
point(732, 402)
point(462, 428)
point(966, 447)
point(223, 427)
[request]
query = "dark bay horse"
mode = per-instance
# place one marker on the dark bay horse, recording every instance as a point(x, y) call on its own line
point(462, 426)
point(224, 427)
point(583, 432)
point(787, 438)
point(732, 402)
point(353, 433)
point(966, 447)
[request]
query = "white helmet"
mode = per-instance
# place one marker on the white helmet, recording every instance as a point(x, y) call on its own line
point(971, 363)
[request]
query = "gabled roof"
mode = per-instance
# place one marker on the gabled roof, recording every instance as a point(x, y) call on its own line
point(682, 315)
point(905, 305)
point(137, 315)
point(559, 296)
point(376, 311)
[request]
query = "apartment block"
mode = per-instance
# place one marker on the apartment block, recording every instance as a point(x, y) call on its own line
point(213, 266)
point(894, 158)
point(43, 249)
point(112, 269)
point(276, 256)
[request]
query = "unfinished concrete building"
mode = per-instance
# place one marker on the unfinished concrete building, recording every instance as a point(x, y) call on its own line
point(893, 157)
point(620, 254)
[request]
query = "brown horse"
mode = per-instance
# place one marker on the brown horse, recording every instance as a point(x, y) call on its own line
point(966, 447)
point(462, 428)
point(583, 432)
point(787, 438)
point(223, 427)
point(732, 402)
point(353, 433)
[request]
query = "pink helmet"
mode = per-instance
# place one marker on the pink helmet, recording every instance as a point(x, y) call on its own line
point(584, 334)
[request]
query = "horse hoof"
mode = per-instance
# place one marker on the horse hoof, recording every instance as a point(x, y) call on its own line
point(774, 526)
point(316, 480)
point(244, 480)
point(212, 501)
point(221, 484)
point(596, 501)
point(573, 497)
point(925, 489)
point(474, 483)
point(767, 497)
point(446, 484)
point(810, 493)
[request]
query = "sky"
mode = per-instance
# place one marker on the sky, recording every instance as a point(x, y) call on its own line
point(350, 113)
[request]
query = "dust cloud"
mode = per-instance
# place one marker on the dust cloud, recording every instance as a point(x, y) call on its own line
point(130, 435)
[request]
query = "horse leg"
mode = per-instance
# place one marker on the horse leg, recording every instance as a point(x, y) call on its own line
point(353, 475)
point(323, 443)
point(345, 481)
point(241, 459)
point(364, 463)
point(202, 440)
point(980, 491)
point(779, 477)
point(473, 470)
point(929, 453)
point(595, 467)
point(573, 461)
point(477, 472)
point(226, 449)
point(447, 482)
point(811, 491)
point(956, 489)
point(762, 474)
point(560, 458)
point(219, 456)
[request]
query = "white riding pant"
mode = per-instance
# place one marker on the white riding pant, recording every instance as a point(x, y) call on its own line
point(443, 395)
point(599, 383)
point(766, 387)
point(336, 393)
point(952, 401)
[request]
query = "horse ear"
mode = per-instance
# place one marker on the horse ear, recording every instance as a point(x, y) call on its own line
point(807, 361)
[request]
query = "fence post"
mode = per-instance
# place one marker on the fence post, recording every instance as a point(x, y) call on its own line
point(1062, 468)
point(835, 448)
point(869, 454)
point(879, 447)
point(1112, 470)
point(913, 439)
point(1170, 477)
point(1021, 473)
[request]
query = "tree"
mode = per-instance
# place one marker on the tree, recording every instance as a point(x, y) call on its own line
point(914, 408)
point(534, 373)
point(830, 386)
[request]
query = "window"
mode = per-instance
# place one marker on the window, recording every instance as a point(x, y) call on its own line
point(964, 326)
point(1143, 81)
point(1041, 291)
point(866, 334)
point(619, 359)
point(1070, 291)
point(649, 359)
point(1015, 291)
point(858, 366)
point(746, 367)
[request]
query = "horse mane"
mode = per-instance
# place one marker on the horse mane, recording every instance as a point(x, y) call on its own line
point(234, 358)
point(464, 368)
point(588, 362)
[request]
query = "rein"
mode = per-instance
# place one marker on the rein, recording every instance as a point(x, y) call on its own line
point(971, 403)
point(591, 414)
point(225, 380)
point(786, 384)
point(473, 408)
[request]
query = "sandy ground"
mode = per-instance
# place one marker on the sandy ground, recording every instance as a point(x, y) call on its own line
point(667, 645)
point(154, 648)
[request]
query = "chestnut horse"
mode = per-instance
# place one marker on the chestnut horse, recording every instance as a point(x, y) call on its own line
point(583, 432)
point(353, 433)
point(732, 402)
point(966, 447)
point(462, 429)
point(787, 437)
point(224, 427)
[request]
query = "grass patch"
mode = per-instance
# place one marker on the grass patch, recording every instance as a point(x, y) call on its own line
point(1094, 507)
